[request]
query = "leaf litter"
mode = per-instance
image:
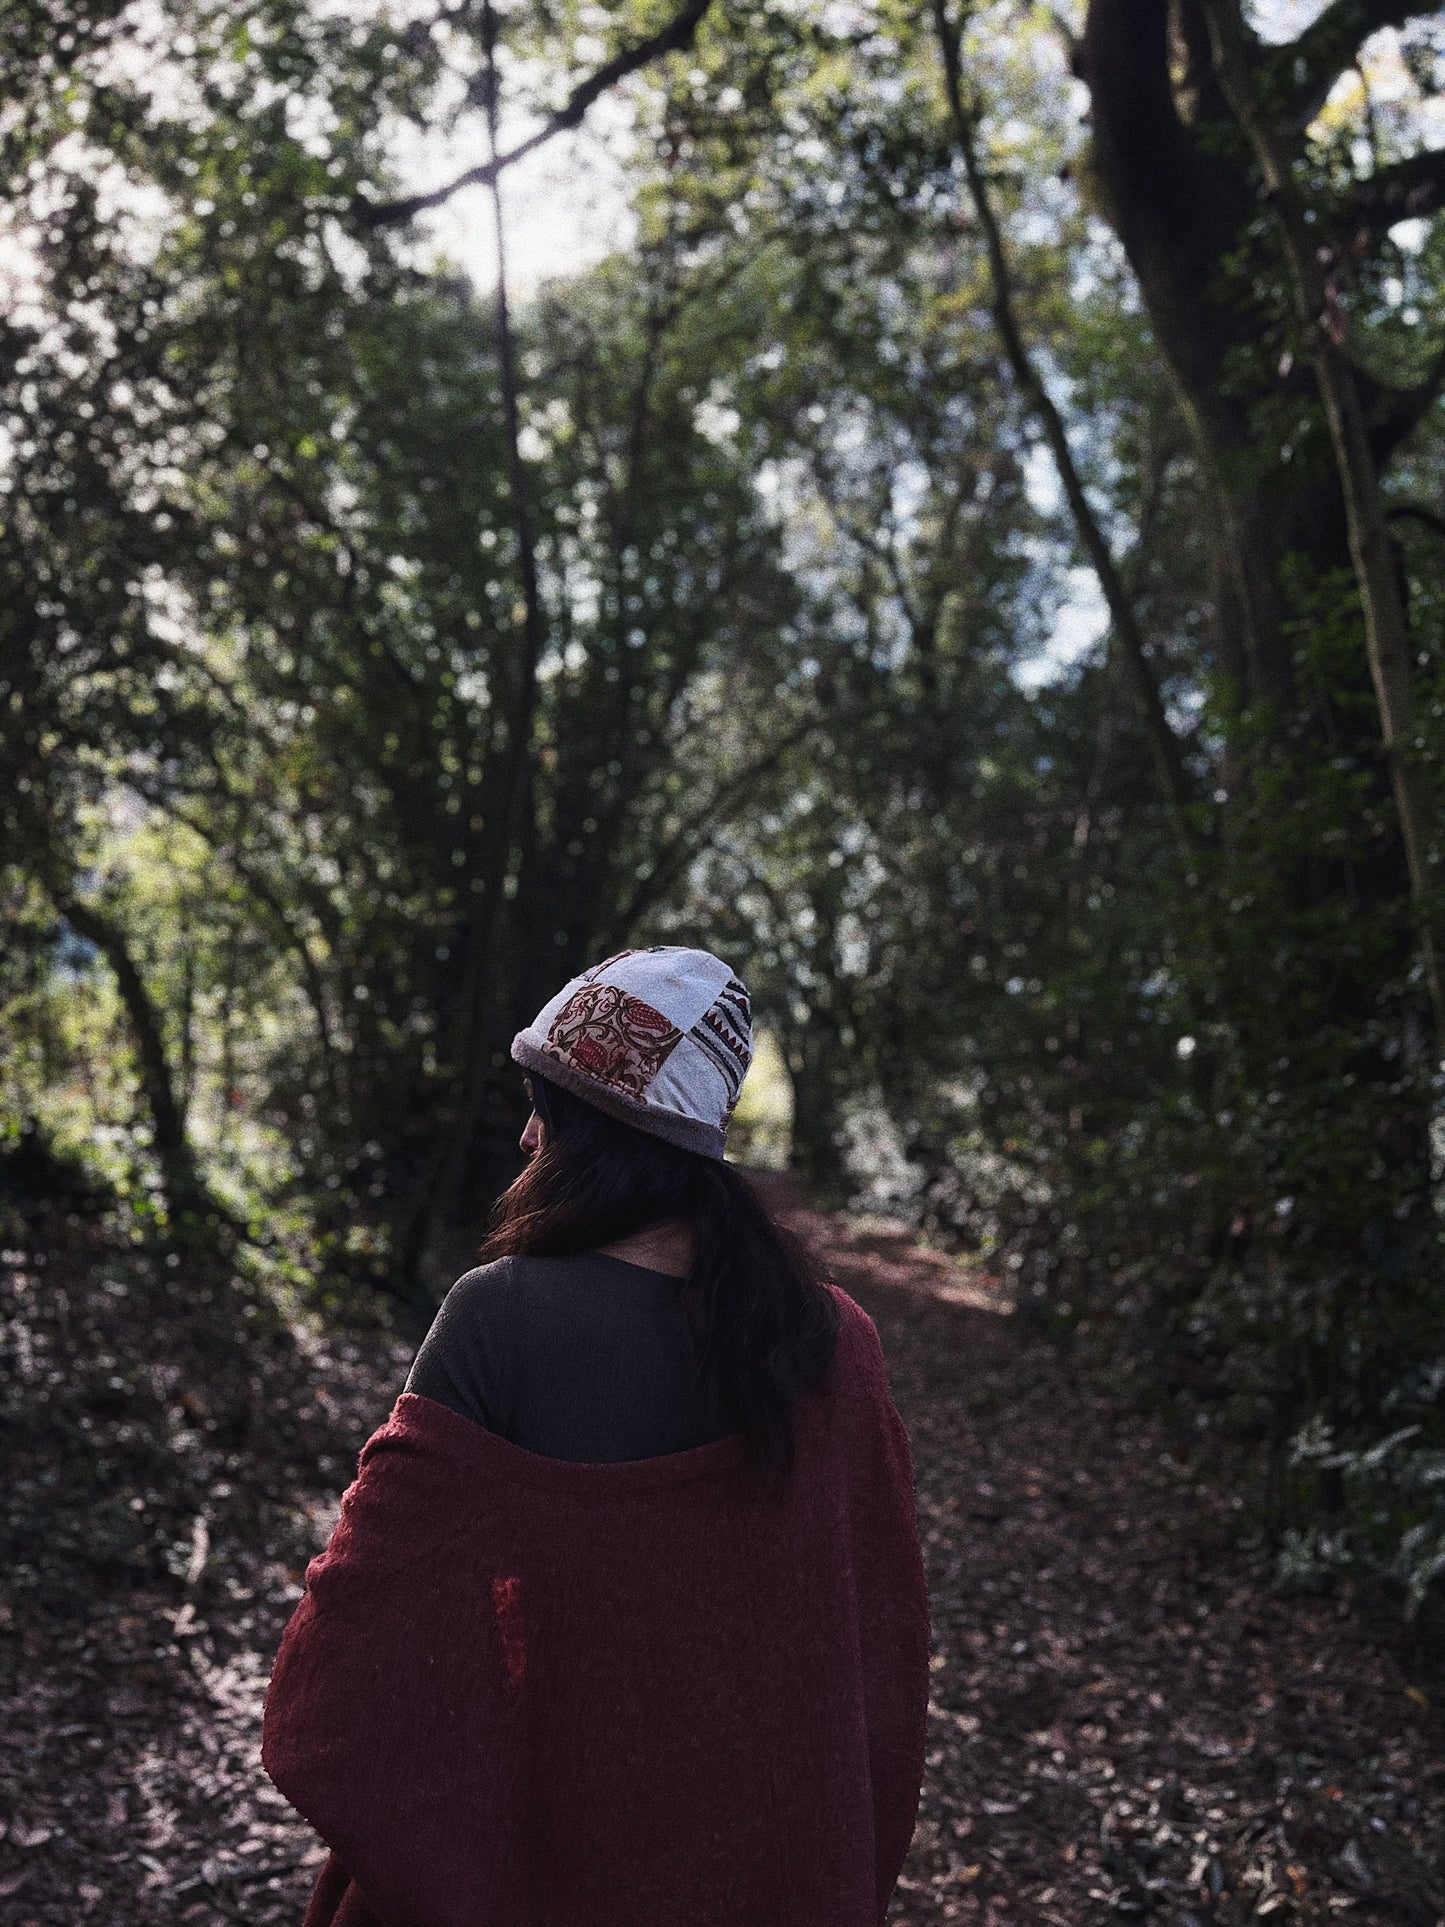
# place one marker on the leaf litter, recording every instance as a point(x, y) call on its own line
point(1128, 1720)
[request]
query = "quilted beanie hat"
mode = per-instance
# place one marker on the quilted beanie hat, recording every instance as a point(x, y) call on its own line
point(660, 1038)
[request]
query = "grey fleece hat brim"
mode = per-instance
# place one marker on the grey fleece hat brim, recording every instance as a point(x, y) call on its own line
point(688, 1133)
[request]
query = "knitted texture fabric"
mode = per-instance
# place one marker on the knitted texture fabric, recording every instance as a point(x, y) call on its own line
point(660, 1038)
point(524, 1692)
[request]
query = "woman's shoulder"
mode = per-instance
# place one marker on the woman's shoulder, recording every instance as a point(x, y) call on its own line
point(478, 1308)
point(485, 1294)
point(479, 1295)
point(462, 1360)
point(485, 1281)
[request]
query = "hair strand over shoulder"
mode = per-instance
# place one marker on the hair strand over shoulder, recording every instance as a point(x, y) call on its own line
point(766, 1325)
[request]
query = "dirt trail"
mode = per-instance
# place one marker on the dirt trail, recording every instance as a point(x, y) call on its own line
point(1126, 1722)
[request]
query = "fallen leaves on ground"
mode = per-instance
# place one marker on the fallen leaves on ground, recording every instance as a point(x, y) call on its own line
point(1127, 1720)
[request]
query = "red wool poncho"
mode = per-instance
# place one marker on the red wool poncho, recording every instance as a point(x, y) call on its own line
point(527, 1692)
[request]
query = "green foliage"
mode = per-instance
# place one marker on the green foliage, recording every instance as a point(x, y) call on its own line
point(293, 833)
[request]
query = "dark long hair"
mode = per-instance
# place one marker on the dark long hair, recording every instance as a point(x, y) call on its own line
point(766, 1324)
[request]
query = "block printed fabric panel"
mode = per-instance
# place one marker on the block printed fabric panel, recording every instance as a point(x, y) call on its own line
point(612, 1036)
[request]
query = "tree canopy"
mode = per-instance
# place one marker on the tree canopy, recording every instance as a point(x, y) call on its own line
point(377, 650)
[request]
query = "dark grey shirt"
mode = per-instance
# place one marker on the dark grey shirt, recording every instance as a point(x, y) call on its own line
point(588, 1358)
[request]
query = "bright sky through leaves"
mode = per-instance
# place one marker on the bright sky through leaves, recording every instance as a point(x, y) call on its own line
point(566, 207)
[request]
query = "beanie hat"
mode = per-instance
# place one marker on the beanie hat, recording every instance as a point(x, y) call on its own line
point(660, 1038)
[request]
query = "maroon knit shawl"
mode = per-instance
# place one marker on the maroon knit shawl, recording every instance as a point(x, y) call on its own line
point(526, 1692)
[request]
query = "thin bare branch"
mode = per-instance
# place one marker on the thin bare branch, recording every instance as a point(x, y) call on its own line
point(184, 1185)
point(880, 550)
point(1164, 744)
point(479, 971)
point(159, 798)
point(688, 840)
point(676, 35)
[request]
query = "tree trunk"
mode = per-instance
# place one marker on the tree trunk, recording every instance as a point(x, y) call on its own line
point(185, 1190)
point(1179, 200)
point(1387, 635)
point(1170, 172)
point(813, 1054)
point(449, 1159)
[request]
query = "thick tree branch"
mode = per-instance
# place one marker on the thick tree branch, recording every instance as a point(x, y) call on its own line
point(1406, 409)
point(1416, 512)
point(1124, 60)
point(677, 34)
point(1401, 191)
point(1299, 75)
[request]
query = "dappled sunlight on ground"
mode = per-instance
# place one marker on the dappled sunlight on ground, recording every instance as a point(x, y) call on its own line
point(1126, 1721)
point(888, 1251)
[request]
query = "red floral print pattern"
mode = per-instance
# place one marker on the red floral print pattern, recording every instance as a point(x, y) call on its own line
point(613, 1037)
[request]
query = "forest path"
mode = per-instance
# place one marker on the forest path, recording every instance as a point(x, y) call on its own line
point(1126, 1722)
